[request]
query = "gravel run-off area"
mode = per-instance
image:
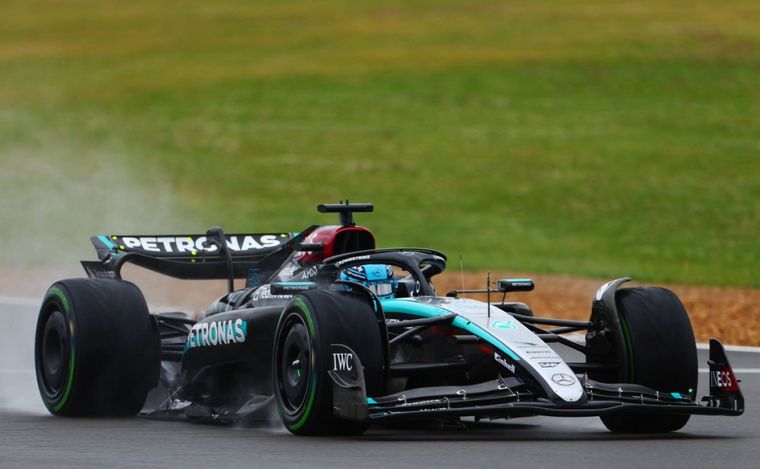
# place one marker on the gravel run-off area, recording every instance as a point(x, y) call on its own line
point(729, 314)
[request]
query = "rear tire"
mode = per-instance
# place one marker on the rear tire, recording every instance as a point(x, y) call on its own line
point(662, 354)
point(97, 350)
point(308, 325)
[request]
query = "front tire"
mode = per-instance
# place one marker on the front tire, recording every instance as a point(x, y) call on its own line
point(661, 354)
point(310, 323)
point(97, 351)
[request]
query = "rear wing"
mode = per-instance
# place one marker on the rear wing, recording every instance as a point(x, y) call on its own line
point(254, 256)
point(188, 247)
point(192, 257)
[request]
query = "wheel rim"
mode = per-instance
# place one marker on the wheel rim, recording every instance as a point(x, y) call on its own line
point(54, 354)
point(294, 364)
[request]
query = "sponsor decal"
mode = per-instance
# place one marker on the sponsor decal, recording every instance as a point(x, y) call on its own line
point(538, 354)
point(563, 379)
point(548, 364)
point(96, 270)
point(310, 272)
point(423, 402)
point(504, 325)
point(536, 350)
point(264, 293)
point(288, 271)
point(343, 361)
point(181, 244)
point(521, 284)
point(254, 278)
point(528, 345)
point(294, 286)
point(503, 362)
point(351, 259)
point(213, 333)
point(723, 379)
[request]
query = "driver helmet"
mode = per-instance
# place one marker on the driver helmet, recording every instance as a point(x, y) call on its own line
point(378, 278)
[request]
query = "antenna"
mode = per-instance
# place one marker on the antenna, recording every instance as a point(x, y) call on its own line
point(488, 293)
point(461, 269)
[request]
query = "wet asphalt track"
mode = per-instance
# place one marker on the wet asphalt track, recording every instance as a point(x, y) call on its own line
point(29, 437)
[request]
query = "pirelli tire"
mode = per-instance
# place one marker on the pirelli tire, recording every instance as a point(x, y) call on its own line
point(661, 354)
point(97, 349)
point(309, 324)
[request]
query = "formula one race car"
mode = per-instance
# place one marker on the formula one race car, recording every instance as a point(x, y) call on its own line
point(337, 334)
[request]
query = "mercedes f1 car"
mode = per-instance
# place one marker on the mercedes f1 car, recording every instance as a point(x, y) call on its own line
point(337, 334)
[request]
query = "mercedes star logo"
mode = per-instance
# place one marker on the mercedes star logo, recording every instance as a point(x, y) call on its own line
point(563, 379)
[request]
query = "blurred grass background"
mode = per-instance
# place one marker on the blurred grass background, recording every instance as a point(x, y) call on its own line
point(596, 138)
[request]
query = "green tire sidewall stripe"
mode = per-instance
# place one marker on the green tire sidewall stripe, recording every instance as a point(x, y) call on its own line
point(57, 292)
point(628, 347)
point(298, 302)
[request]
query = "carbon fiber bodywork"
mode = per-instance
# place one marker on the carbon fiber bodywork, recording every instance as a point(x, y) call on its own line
point(443, 356)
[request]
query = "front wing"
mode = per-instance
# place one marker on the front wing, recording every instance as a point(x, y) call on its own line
point(498, 399)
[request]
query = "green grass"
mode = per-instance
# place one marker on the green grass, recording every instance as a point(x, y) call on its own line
point(593, 138)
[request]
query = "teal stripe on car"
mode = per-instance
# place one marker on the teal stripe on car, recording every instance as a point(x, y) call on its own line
point(431, 311)
point(104, 239)
point(412, 307)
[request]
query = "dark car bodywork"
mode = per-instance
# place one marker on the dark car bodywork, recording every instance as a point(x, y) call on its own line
point(445, 356)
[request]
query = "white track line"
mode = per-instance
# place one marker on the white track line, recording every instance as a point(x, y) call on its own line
point(701, 370)
point(580, 339)
point(28, 301)
point(20, 301)
point(732, 348)
point(740, 371)
point(36, 302)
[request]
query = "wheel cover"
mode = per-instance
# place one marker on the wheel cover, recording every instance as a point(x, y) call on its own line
point(294, 364)
point(54, 354)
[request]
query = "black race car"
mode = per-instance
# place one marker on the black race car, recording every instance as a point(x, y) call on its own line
point(337, 334)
